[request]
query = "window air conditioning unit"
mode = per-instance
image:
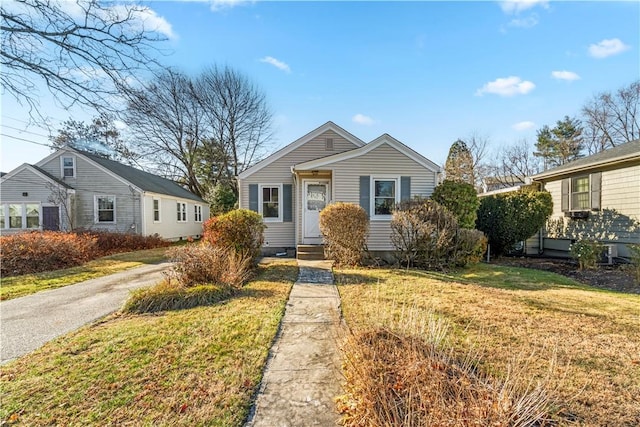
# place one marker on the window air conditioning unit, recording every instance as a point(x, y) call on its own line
point(609, 253)
point(577, 214)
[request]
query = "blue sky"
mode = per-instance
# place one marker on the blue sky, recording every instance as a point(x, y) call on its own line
point(427, 73)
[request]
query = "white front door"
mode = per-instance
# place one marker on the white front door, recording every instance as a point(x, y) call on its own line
point(316, 197)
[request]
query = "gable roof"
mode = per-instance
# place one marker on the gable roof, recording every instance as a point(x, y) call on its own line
point(621, 153)
point(145, 181)
point(301, 141)
point(382, 139)
point(38, 171)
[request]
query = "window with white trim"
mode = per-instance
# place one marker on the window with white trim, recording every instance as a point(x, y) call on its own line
point(182, 211)
point(270, 204)
point(68, 165)
point(20, 215)
point(156, 210)
point(197, 211)
point(105, 209)
point(580, 193)
point(385, 195)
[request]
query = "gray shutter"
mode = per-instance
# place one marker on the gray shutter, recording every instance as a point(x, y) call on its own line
point(596, 186)
point(287, 203)
point(405, 188)
point(253, 197)
point(565, 194)
point(365, 193)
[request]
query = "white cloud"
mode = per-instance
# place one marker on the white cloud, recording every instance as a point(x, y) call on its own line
point(513, 7)
point(607, 47)
point(527, 22)
point(507, 86)
point(218, 5)
point(565, 75)
point(361, 119)
point(526, 125)
point(276, 63)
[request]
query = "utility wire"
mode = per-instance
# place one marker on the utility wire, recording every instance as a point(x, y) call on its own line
point(26, 140)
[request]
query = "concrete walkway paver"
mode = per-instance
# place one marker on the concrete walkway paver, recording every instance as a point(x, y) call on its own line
point(28, 322)
point(303, 374)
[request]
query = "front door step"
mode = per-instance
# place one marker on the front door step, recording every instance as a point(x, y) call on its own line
point(310, 252)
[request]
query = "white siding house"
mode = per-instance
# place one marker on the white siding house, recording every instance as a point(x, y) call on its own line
point(291, 187)
point(73, 189)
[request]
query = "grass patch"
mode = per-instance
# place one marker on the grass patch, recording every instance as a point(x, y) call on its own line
point(513, 313)
point(19, 286)
point(189, 367)
point(169, 296)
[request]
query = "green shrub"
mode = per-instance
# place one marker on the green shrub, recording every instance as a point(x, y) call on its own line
point(168, 295)
point(635, 259)
point(205, 264)
point(241, 230)
point(223, 199)
point(461, 199)
point(587, 253)
point(426, 235)
point(345, 227)
point(510, 218)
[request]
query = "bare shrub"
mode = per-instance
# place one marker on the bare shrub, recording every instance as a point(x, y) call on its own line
point(205, 264)
point(405, 373)
point(345, 227)
point(426, 235)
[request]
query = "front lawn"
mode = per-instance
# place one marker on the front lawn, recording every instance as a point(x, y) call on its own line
point(27, 284)
point(190, 367)
point(532, 319)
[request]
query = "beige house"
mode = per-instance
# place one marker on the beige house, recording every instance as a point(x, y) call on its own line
point(290, 187)
point(597, 198)
point(73, 189)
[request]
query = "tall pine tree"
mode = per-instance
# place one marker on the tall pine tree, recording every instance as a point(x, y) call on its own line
point(459, 164)
point(560, 144)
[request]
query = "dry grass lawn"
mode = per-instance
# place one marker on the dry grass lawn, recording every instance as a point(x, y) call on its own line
point(529, 318)
point(189, 367)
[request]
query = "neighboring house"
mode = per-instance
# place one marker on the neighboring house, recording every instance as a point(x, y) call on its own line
point(495, 183)
point(291, 187)
point(73, 189)
point(597, 198)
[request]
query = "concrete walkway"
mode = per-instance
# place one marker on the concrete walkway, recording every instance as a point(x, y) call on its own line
point(28, 322)
point(303, 374)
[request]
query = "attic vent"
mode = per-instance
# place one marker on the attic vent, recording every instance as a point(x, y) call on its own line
point(328, 144)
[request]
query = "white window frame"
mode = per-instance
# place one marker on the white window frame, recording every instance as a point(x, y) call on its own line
point(96, 214)
point(181, 211)
point(197, 213)
point(62, 167)
point(573, 193)
point(372, 195)
point(153, 207)
point(260, 202)
point(23, 215)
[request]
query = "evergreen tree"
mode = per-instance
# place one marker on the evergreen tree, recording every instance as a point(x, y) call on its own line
point(459, 164)
point(560, 144)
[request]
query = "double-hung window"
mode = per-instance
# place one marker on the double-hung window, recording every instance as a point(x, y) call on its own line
point(182, 211)
point(197, 210)
point(580, 193)
point(68, 165)
point(20, 215)
point(156, 210)
point(105, 209)
point(385, 195)
point(270, 202)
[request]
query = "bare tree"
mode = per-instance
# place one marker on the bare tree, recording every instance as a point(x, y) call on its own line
point(237, 116)
point(169, 124)
point(612, 119)
point(478, 144)
point(60, 196)
point(84, 51)
point(514, 163)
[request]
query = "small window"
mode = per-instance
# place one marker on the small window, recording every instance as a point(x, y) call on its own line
point(15, 216)
point(328, 144)
point(270, 203)
point(68, 166)
point(384, 196)
point(2, 211)
point(105, 209)
point(32, 215)
point(197, 217)
point(156, 210)
point(580, 193)
point(182, 212)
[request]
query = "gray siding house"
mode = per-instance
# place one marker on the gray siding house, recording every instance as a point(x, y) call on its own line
point(596, 197)
point(290, 187)
point(73, 189)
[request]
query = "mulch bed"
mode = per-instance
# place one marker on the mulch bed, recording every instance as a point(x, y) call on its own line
point(617, 277)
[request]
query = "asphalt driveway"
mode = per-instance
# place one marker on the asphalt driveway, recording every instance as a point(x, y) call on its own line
point(27, 323)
